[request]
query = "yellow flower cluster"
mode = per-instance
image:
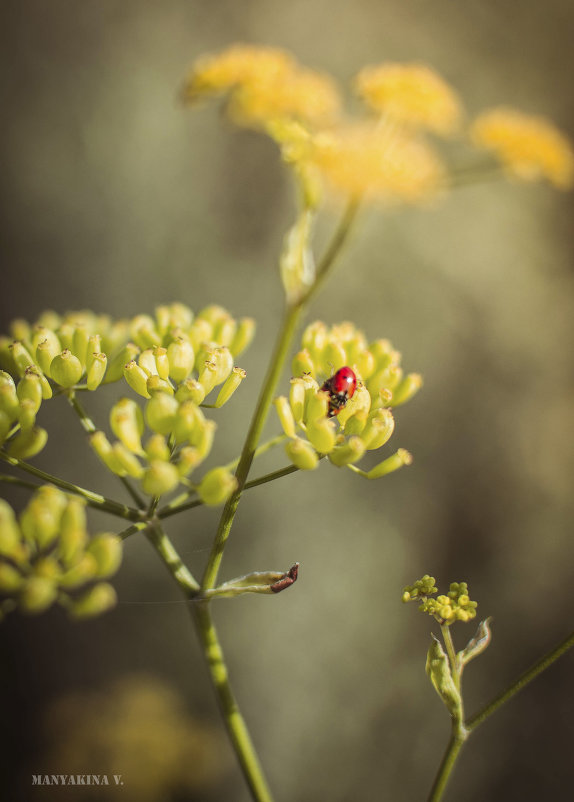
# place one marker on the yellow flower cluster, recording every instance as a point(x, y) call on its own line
point(410, 94)
point(174, 360)
point(263, 84)
point(366, 422)
point(529, 147)
point(46, 556)
point(446, 609)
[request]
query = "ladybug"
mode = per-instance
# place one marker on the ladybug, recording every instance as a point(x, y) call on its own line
point(341, 386)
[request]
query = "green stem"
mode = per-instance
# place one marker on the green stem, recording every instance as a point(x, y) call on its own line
point(445, 769)
point(93, 499)
point(90, 427)
point(234, 721)
point(175, 565)
point(454, 667)
point(274, 441)
point(15, 480)
point(523, 680)
point(131, 530)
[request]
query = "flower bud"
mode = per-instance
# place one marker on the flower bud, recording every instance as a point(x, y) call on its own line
point(160, 478)
point(30, 388)
point(208, 376)
point(156, 386)
point(203, 439)
point(45, 353)
point(356, 423)
point(243, 336)
point(137, 377)
point(160, 412)
point(223, 364)
point(230, 386)
point(144, 332)
point(96, 371)
point(379, 428)
point(96, 600)
point(360, 402)
point(27, 414)
point(333, 357)
point(190, 390)
point(10, 537)
point(349, 452)
point(5, 426)
point(147, 361)
point(107, 552)
point(303, 363)
point(94, 347)
point(28, 443)
point(116, 365)
point(66, 369)
point(383, 353)
point(297, 395)
point(315, 339)
point(386, 379)
point(224, 330)
point(127, 460)
point(37, 594)
point(285, 415)
point(127, 423)
point(80, 343)
point(161, 362)
point(200, 332)
point(157, 448)
point(81, 572)
point(73, 534)
point(321, 434)
point(66, 335)
point(40, 520)
point(317, 405)
point(406, 389)
point(103, 448)
point(21, 356)
point(7, 362)
point(173, 316)
point(188, 421)
point(20, 329)
point(181, 358)
point(216, 486)
point(392, 463)
point(8, 396)
point(302, 454)
point(11, 580)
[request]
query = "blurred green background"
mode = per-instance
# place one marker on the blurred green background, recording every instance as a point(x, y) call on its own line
point(116, 198)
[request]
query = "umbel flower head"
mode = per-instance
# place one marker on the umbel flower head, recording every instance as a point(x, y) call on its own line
point(174, 360)
point(456, 605)
point(365, 422)
point(47, 557)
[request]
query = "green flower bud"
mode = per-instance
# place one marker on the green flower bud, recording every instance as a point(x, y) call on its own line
point(6, 359)
point(173, 316)
point(11, 580)
point(160, 413)
point(30, 388)
point(80, 343)
point(116, 365)
point(216, 486)
point(94, 347)
point(356, 423)
point(48, 338)
point(315, 339)
point(66, 335)
point(303, 363)
point(406, 389)
point(333, 357)
point(96, 371)
point(5, 426)
point(322, 436)
point(317, 405)
point(439, 673)
point(47, 567)
point(347, 453)
point(208, 376)
point(223, 364)
point(302, 454)
point(8, 396)
point(40, 520)
point(189, 458)
point(37, 594)
point(155, 385)
point(181, 358)
point(160, 478)
point(27, 414)
point(107, 552)
point(231, 384)
point(127, 423)
point(20, 329)
point(73, 533)
point(137, 377)
point(161, 362)
point(99, 599)
point(297, 395)
point(10, 537)
point(224, 330)
point(386, 379)
point(365, 364)
point(392, 463)
point(200, 332)
point(21, 356)
point(103, 448)
point(28, 443)
point(66, 369)
point(203, 439)
point(243, 336)
point(383, 353)
point(127, 460)
point(45, 353)
point(190, 390)
point(146, 360)
point(188, 421)
point(213, 314)
point(144, 332)
point(157, 448)
point(285, 415)
point(379, 428)
point(83, 571)
point(360, 402)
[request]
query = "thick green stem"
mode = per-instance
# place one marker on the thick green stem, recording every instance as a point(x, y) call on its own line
point(232, 717)
point(523, 680)
point(446, 767)
point(93, 499)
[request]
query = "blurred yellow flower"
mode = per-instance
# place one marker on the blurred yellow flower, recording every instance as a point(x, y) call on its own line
point(360, 160)
point(264, 84)
point(411, 94)
point(530, 147)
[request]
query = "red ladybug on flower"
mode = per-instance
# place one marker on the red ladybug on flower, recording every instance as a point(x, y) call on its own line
point(340, 386)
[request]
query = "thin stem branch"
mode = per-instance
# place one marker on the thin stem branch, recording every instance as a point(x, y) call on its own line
point(445, 769)
point(523, 680)
point(173, 562)
point(234, 721)
point(93, 499)
point(90, 427)
point(15, 480)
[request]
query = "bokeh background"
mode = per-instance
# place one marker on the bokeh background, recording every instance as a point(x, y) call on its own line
point(115, 198)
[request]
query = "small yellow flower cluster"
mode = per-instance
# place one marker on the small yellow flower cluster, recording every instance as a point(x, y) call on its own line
point(365, 423)
point(46, 556)
point(263, 84)
point(174, 360)
point(410, 94)
point(446, 609)
point(529, 147)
